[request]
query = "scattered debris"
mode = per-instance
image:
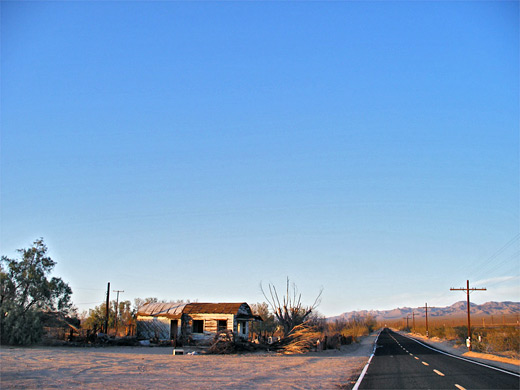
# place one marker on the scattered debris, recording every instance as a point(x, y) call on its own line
point(226, 343)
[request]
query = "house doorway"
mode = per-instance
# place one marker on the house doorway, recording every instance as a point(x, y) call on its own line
point(173, 329)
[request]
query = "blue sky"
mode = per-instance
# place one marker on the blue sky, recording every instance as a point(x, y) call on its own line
point(192, 150)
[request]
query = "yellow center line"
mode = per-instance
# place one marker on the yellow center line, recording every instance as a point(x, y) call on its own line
point(416, 357)
point(426, 364)
point(459, 387)
point(438, 372)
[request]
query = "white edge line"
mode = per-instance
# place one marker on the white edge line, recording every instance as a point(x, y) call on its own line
point(356, 386)
point(360, 379)
point(461, 358)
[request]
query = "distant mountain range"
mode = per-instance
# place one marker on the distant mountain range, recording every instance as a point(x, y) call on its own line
point(456, 310)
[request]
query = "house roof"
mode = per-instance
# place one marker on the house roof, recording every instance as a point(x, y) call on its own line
point(217, 308)
point(175, 310)
point(172, 309)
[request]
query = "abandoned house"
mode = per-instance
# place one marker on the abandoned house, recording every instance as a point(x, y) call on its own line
point(196, 322)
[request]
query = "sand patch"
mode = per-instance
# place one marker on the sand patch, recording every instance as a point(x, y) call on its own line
point(495, 358)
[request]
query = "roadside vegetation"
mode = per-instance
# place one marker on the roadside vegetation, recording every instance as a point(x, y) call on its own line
point(495, 339)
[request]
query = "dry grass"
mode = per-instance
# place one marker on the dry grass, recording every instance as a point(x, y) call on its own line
point(356, 331)
point(302, 339)
point(499, 340)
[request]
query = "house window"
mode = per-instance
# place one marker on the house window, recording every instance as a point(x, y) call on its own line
point(242, 327)
point(221, 325)
point(198, 326)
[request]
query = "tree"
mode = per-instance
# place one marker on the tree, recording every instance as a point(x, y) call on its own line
point(26, 291)
point(289, 312)
point(96, 317)
point(125, 314)
point(268, 325)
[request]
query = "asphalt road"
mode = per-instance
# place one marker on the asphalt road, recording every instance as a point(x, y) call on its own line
point(402, 363)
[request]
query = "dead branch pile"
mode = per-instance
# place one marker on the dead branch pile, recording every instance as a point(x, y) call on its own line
point(301, 339)
point(225, 343)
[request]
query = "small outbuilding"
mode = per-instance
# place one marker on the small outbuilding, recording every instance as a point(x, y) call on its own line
point(194, 322)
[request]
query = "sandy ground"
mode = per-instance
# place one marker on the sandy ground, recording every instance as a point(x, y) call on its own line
point(156, 368)
point(450, 347)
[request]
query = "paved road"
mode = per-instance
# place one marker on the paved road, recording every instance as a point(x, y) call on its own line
point(401, 363)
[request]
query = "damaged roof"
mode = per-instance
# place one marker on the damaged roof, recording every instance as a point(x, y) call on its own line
point(171, 310)
point(213, 308)
point(175, 310)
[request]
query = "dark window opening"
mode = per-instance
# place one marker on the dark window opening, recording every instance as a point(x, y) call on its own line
point(198, 326)
point(221, 325)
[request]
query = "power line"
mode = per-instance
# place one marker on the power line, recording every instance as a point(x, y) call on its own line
point(486, 263)
point(500, 264)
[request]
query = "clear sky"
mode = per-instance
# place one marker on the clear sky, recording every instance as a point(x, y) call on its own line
point(192, 150)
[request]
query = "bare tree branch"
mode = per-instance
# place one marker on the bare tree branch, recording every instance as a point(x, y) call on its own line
point(289, 311)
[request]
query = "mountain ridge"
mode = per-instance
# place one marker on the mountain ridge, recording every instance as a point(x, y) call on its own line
point(491, 308)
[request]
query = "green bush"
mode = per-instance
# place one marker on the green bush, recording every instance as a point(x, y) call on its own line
point(21, 328)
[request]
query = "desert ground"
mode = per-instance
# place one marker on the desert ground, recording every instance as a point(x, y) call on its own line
point(156, 368)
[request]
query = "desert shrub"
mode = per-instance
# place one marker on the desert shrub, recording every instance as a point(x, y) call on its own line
point(420, 330)
point(458, 333)
point(461, 332)
point(438, 332)
point(349, 331)
point(355, 332)
point(447, 333)
point(502, 340)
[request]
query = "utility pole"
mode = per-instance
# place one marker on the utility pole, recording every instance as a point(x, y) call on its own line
point(106, 308)
point(117, 304)
point(426, 307)
point(468, 290)
point(413, 322)
point(407, 318)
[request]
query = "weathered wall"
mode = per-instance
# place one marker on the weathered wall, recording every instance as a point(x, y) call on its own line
point(150, 327)
point(210, 324)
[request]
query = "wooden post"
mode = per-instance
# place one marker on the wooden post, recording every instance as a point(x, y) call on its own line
point(107, 308)
point(468, 290)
